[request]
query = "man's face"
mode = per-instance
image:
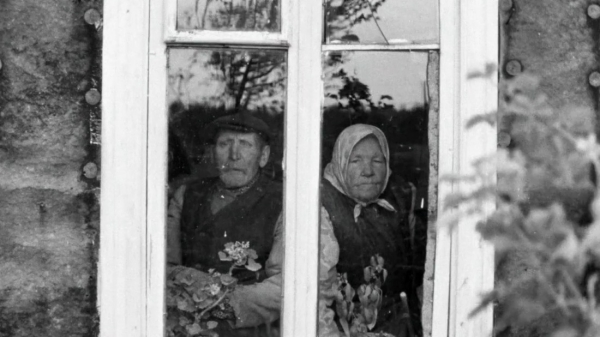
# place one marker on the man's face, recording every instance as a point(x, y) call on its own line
point(239, 156)
point(366, 170)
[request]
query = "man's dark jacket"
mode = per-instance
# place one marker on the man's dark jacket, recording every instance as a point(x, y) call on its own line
point(250, 217)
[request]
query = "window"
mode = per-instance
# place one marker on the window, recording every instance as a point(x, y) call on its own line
point(134, 150)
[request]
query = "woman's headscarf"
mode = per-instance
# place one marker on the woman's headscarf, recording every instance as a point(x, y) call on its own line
point(336, 170)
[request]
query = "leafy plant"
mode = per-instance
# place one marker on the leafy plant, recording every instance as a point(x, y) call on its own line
point(195, 300)
point(547, 206)
point(241, 255)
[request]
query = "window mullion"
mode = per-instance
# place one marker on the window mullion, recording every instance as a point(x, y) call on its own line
point(302, 162)
point(469, 43)
point(123, 279)
point(448, 131)
point(157, 173)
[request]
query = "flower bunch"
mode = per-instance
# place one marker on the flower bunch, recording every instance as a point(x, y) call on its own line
point(241, 255)
point(370, 294)
point(359, 318)
point(344, 304)
point(195, 299)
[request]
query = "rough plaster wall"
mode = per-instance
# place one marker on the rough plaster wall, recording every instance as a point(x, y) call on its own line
point(48, 209)
point(556, 40)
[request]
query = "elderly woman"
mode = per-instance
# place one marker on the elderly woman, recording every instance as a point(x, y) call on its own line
point(365, 217)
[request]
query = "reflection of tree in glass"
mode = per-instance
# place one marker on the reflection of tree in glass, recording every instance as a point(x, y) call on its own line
point(342, 15)
point(250, 76)
point(260, 15)
point(230, 79)
point(348, 91)
point(355, 91)
point(205, 84)
point(349, 101)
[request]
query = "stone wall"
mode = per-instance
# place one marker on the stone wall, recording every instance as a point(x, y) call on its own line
point(557, 41)
point(48, 207)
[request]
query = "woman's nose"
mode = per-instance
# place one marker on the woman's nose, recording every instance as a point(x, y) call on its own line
point(367, 170)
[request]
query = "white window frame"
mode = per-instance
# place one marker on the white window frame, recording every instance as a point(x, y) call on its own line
point(134, 147)
point(172, 35)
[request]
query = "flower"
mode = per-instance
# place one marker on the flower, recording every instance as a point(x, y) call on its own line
point(241, 255)
point(236, 252)
point(214, 289)
point(375, 273)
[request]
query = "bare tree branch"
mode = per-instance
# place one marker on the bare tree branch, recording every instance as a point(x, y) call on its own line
point(240, 93)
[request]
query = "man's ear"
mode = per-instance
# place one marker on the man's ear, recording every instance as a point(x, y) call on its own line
point(264, 155)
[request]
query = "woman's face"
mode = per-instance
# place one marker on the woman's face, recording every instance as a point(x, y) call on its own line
point(367, 170)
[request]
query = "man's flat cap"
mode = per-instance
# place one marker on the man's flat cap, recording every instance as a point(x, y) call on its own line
point(241, 122)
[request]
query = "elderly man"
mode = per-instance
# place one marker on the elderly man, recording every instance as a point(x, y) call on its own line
point(240, 204)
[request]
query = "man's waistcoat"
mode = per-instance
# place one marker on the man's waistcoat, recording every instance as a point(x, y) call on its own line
point(250, 217)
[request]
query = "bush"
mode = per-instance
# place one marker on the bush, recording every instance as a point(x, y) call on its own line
point(547, 205)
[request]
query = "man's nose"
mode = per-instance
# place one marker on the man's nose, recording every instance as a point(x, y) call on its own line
point(234, 151)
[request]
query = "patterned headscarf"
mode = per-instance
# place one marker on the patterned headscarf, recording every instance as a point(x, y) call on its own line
point(336, 170)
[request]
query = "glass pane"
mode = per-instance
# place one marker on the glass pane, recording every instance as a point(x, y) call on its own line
point(381, 21)
point(375, 191)
point(224, 241)
point(228, 15)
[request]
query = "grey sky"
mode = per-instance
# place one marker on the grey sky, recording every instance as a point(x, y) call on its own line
point(409, 20)
point(401, 75)
point(412, 20)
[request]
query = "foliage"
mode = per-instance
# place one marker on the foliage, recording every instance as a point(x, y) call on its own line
point(547, 207)
point(248, 76)
point(241, 255)
point(195, 300)
point(227, 79)
point(342, 15)
point(348, 91)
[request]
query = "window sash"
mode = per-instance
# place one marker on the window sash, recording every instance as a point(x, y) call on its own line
point(302, 166)
point(134, 137)
point(172, 35)
point(381, 47)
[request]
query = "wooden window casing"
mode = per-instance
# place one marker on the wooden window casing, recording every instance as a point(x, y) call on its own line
point(136, 34)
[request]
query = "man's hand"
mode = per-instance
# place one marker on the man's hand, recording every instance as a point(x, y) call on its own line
point(187, 275)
